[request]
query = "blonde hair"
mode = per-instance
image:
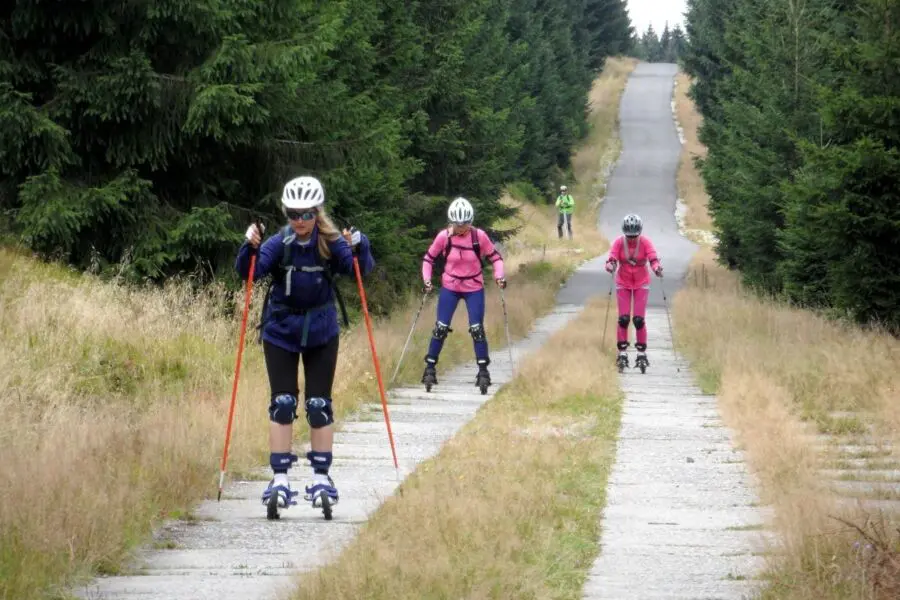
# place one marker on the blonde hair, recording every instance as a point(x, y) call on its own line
point(328, 232)
point(452, 229)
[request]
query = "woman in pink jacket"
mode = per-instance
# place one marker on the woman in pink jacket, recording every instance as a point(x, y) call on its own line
point(631, 254)
point(463, 247)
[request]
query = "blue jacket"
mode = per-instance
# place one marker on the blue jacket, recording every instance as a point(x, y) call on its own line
point(284, 317)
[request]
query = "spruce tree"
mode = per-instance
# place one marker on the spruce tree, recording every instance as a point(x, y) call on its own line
point(843, 211)
point(609, 28)
point(666, 53)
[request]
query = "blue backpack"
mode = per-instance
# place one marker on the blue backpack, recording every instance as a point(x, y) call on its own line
point(280, 275)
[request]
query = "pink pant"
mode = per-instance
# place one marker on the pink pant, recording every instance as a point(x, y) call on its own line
point(624, 298)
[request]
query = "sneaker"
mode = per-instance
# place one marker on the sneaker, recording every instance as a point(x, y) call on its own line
point(321, 484)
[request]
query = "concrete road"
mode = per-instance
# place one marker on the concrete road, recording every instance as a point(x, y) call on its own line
point(682, 519)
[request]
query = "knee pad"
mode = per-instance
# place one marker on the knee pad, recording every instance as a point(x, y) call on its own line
point(441, 330)
point(282, 460)
point(638, 322)
point(318, 412)
point(319, 461)
point(477, 332)
point(624, 320)
point(283, 409)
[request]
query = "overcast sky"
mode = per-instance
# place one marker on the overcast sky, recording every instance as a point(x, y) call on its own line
point(644, 12)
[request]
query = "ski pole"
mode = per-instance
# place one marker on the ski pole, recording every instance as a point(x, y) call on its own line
point(365, 307)
point(512, 364)
point(668, 318)
point(237, 368)
point(409, 337)
point(606, 319)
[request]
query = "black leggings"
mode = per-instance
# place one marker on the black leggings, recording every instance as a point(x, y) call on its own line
point(319, 364)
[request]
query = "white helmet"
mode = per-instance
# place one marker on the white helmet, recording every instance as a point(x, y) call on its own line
point(460, 211)
point(563, 189)
point(302, 192)
point(632, 225)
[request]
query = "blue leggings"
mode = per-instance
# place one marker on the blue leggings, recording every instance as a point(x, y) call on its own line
point(446, 307)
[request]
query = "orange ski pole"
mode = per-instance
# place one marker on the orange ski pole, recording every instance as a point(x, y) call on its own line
point(365, 307)
point(237, 371)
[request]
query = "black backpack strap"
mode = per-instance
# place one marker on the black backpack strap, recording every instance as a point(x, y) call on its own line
point(286, 245)
point(476, 246)
point(449, 246)
point(329, 277)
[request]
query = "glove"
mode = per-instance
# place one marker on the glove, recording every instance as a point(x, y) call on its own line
point(353, 236)
point(254, 234)
point(501, 283)
point(428, 287)
point(659, 271)
point(610, 266)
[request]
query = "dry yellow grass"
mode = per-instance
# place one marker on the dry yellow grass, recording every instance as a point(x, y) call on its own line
point(690, 183)
point(510, 506)
point(106, 400)
point(779, 373)
point(109, 395)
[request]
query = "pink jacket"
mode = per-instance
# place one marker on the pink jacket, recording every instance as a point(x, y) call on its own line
point(463, 270)
point(632, 259)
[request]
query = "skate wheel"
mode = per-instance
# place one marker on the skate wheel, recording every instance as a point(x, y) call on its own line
point(484, 390)
point(643, 369)
point(326, 507)
point(272, 508)
point(428, 387)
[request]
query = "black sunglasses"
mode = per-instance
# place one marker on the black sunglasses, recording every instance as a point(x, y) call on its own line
point(298, 215)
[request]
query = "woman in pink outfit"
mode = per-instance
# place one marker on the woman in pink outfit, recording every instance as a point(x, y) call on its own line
point(463, 247)
point(629, 257)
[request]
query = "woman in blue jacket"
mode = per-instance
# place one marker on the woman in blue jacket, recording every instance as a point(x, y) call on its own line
point(300, 322)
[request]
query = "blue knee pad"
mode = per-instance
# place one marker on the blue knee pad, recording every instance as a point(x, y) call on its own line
point(282, 461)
point(318, 412)
point(283, 409)
point(319, 461)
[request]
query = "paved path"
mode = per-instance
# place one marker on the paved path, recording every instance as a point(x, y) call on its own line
point(681, 519)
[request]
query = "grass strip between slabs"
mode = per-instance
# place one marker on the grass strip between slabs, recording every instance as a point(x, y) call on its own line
point(511, 506)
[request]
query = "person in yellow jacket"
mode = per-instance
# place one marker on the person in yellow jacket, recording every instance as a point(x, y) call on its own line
point(566, 205)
